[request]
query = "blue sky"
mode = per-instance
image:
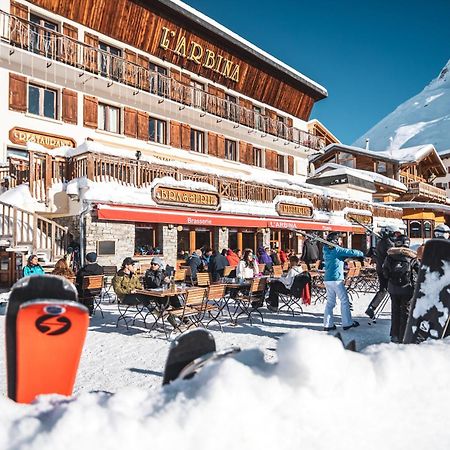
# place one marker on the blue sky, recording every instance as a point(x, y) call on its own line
point(371, 55)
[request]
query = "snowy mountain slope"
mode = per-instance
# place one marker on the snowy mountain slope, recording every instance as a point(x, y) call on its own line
point(423, 119)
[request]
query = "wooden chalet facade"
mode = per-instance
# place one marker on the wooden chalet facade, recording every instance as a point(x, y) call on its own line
point(138, 91)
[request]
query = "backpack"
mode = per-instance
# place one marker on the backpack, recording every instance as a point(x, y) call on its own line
point(401, 273)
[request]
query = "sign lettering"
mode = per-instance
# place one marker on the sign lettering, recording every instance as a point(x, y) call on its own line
point(182, 197)
point(294, 210)
point(22, 136)
point(366, 220)
point(193, 51)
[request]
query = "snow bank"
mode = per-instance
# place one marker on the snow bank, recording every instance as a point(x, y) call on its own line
point(20, 196)
point(318, 396)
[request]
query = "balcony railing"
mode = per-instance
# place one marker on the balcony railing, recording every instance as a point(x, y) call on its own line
point(58, 47)
point(418, 188)
point(47, 170)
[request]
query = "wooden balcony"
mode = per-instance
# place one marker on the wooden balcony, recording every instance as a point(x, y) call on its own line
point(48, 170)
point(420, 190)
point(60, 48)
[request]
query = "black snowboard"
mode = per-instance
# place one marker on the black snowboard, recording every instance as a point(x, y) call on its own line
point(27, 289)
point(186, 348)
point(429, 314)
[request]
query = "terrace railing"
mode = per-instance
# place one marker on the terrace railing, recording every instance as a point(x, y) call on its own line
point(58, 47)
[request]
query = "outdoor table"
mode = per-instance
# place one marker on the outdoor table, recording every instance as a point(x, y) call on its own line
point(236, 286)
point(161, 308)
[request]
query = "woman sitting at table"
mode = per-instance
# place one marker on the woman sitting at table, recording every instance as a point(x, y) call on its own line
point(284, 284)
point(247, 267)
point(155, 278)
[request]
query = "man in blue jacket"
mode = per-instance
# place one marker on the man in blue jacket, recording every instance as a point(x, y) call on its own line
point(334, 282)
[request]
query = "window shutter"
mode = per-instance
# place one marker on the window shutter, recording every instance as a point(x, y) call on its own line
point(185, 137)
point(130, 72)
point(291, 165)
point(91, 54)
point(142, 126)
point(17, 92)
point(271, 160)
point(175, 134)
point(212, 144)
point(130, 122)
point(68, 46)
point(18, 29)
point(243, 149)
point(90, 112)
point(221, 146)
point(69, 106)
point(144, 81)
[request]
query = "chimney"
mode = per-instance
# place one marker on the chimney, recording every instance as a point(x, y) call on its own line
point(367, 143)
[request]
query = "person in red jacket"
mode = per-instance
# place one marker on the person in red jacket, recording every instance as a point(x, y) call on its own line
point(232, 257)
point(283, 256)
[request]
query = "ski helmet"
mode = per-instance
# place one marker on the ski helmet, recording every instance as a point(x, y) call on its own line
point(441, 231)
point(402, 241)
point(334, 237)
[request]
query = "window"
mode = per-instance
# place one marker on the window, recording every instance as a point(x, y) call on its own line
point(232, 107)
point(106, 248)
point(381, 167)
point(257, 157)
point(42, 101)
point(427, 229)
point(42, 35)
point(108, 118)
point(280, 163)
point(110, 61)
point(198, 141)
point(157, 130)
point(198, 94)
point(230, 150)
point(415, 229)
point(346, 159)
point(158, 83)
point(259, 118)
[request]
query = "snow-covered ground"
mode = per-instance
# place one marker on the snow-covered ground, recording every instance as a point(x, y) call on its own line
point(293, 386)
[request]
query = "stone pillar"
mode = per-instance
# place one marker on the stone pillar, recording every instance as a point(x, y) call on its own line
point(263, 238)
point(167, 238)
point(220, 238)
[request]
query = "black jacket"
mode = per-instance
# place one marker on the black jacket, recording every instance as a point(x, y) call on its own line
point(217, 264)
point(381, 251)
point(401, 254)
point(87, 271)
point(196, 265)
point(154, 278)
point(310, 252)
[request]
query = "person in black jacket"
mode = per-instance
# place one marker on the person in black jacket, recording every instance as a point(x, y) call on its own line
point(400, 268)
point(310, 253)
point(195, 263)
point(89, 269)
point(388, 236)
point(217, 264)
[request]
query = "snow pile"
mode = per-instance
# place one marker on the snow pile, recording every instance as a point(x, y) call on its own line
point(318, 396)
point(183, 184)
point(20, 197)
point(423, 119)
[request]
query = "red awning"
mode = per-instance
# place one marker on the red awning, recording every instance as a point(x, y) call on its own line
point(124, 213)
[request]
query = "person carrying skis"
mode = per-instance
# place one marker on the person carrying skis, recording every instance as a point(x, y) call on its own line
point(334, 257)
point(388, 235)
point(400, 268)
point(33, 267)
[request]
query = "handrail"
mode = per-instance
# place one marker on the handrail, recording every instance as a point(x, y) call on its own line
point(59, 47)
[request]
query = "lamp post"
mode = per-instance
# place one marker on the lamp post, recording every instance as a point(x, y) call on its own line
point(138, 155)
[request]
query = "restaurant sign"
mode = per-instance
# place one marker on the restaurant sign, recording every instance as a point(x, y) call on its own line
point(294, 210)
point(361, 218)
point(193, 51)
point(183, 197)
point(22, 136)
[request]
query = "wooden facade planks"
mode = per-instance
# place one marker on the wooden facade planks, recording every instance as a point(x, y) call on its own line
point(69, 106)
point(138, 26)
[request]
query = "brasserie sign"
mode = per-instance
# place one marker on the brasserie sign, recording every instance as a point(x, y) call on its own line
point(294, 210)
point(361, 218)
point(183, 197)
point(195, 52)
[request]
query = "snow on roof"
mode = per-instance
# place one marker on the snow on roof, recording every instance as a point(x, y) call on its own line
point(293, 200)
point(421, 205)
point(365, 174)
point(361, 212)
point(226, 33)
point(183, 184)
point(20, 197)
point(399, 155)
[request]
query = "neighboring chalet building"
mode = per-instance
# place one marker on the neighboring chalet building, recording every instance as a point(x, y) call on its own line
point(444, 182)
point(401, 177)
point(143, 126)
